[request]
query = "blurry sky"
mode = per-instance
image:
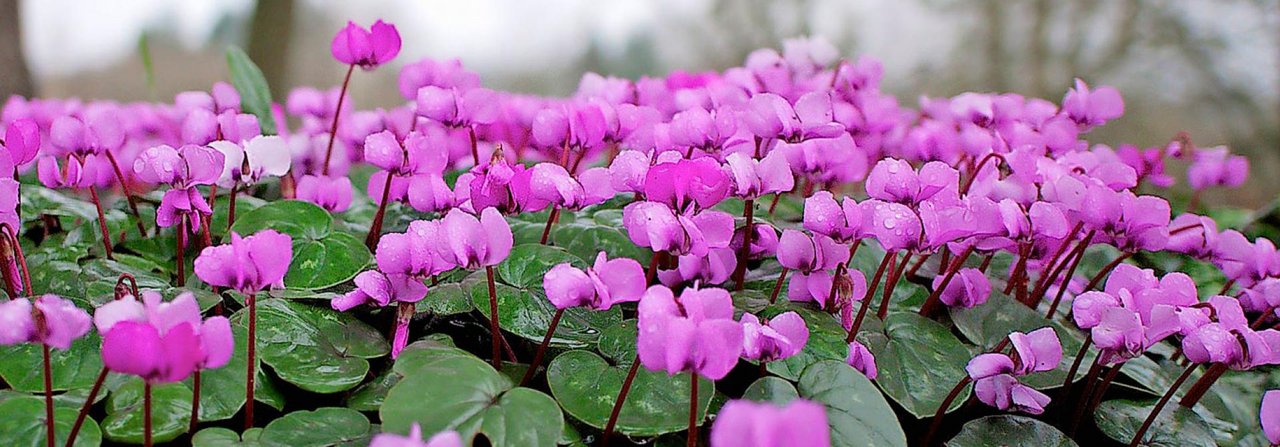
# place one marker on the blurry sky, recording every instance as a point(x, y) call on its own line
point(1211, 67)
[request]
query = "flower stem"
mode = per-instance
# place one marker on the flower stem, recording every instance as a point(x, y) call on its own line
point(493, 321)
point(475, 150)
point(542, 348)
point(124, 188)
point(375, 227)
point(48, 395)
point(1075, 365)
point(740, 273)
point(866, 300)
point(146, 414)
point(182, 247)
point(617, 404)
point(1089, 385)
point(102, 221)
point(252, 366)
point(773, 297)
point(653, 267)
point(195, 403)
point(1097, 279)
point(333, 129)
point(774, 203)
point(931, 304)
point(84, 409)
point(1202, 385)
point(231, 206)
point(896, 269)
point(551, 220)
point(1053, 261)
point(1155, 412)
point(693, 409)
point(942, 410)
point(1066, 280)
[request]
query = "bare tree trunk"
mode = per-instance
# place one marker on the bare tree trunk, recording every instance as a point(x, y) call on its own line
point(14, 77)
point(269, 41)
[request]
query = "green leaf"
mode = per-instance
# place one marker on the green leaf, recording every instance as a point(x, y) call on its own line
point(1176, 425)
point(826, 340)
point(527, 264)
point(775, 390)
point(20, 365)
point(170, 412)
point(255, 95)
point(22, 424)
point(327, 262)
point(587, 387)
point(222, 211)
point(221, 437)
point(618, 342)
point(587, 240)
point(301, 220)
point(856, 411)
point(222, 389)
point(314, 348)
point(446, 299)
point(989, 323)
point(370, 395)
point(919, 362)
point(323, 427)
point(528, 314)
point(467, 395)
point(1009, 431)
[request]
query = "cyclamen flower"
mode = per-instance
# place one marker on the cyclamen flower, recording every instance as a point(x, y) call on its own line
point(764, 241)
point(448, 438)
point(754, 178)
point(842, 221)
point(770, 116)
point(698, 128)
point(1269, 415)
point(97, 133)
point(655, 226)
point(161, 342)
point(1193, 235)
point(332, 193)
point(457, 108)
point(1092, 108)
point(444, 74)
point(1217, 167)
point(183, 169)
point(579, 125)
point(247, 264)
point(256, 159)
point(742, 423)
point(894, 180)
point(861, 359)
point(773, 339)
point(375, 287)
point(472, 243)
point(994, 374)
point(714, 268)
point(970, 287)
point(547, 184)
point(51, 320)
point(416, 252)
point(695, 332)
point(607, 282)
point(687, 184)
point(354, 45)
point(22, 141)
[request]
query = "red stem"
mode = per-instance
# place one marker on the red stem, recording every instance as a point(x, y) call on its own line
point(84, 409)
point(146, 414)
point(740, 273)
point(693, 409)
point(1053, 261)
point(542, 348)
point(494, 328)
point(48, 395)
point(375, 228)
point(124, 188)
point(866, 300)
point(942, 410)
point(617, 404)
point(551, 219)
point(475, 151)
point(1097, 279)
point(251, 366)
point(1075, 365)
point(195, 403)
point(773, 297)
point(896, 269)
point(932, 303)
point(333, 129)
point(1089, 384)
point(1066, 279)
point(231, 206)
point(102, 221)
point(182, 246)
point(1202, 385)
point(1164, 400)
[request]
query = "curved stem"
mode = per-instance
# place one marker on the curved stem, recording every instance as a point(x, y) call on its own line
point(333, 129)
point(551, 219)
point(1066, 280)
point(102, 221)
point(896, 268)
point(48, 395)
point(1202, 385)
point(375, 227)
point(231, 206)
point(978, 169)
point(930, 306)
point(182, 247)
point(617, 404)
point(475, 151)
point(494, 328)
point(542, 348)
point(942, 410)
point(740, 272)
point(777, 287)
point(252, 366)
point(866, 299)
point(774, 203)
point(1075, 365)
point(1097, 279)
point(124, 188)
point(1089, 384)
point(1053, 260)
point(693, 409)
point(653, 267)
point(146, 414)
point(1164, 400)
point(195, 403)
point(84, 409)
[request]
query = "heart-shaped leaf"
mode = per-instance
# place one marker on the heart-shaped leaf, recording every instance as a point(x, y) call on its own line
point(587, 387)
point(469, 396)
point(324, 427)
point(170, 412)
point(856, 411)
point(527, 264)
point(222, 389)
point(1176, 425)
point(74, 368)
point(22, 424)
point(327, 262)
point(586, 240)
point(919, 362)
point(296, 218)
point(1010, 431)
point(447, 299)
point(771, 389)
point(314, 348)
point(826, 340)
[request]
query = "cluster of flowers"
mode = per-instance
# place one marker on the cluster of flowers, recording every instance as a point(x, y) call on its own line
point(976, 174)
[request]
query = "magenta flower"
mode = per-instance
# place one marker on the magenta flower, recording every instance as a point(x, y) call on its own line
point(607, 282)
point(1193, 235)
point(100, 132)
point(842, 221)
point(742, 423)
point(333, 193)
point(247, 264)
point(9, 202)
point(695, 332)
point(52, 320)
point(489, 185)
point(861, 359)
point(414, 252)
point(894, 225)
point(1005, 392)
point(687, 184)
point(161, 342)
point(1092, 108)
point(547, 184)
point(970, 287)
point(182, 169)
point(628, 171)
point(381, 289)
point(764, 241)
point(457, 108)
point(894, 180)
point(448, 438)
point(773, 339)
point(770, 116)
point(1270, 415)
point(354, 45)
point(995, 374)
point(1217, 167)
point(472, 243)
point(754, 178)
point(444, 74)
point(698, 128)
point(71, 175)
point(22, 141)
point(655, 226)
point(578, 125)
point(714, 268)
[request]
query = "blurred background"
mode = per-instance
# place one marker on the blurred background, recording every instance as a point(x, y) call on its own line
point(1208, 67)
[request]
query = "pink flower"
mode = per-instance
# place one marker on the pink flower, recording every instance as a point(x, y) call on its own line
point(695, 332)
point(161, 342)
point(655, 226)
point(444, 74)
point(842, 221)
point(375, 287)
point(369, 48)
point(754, 178)
point(97, 133)
point(1092, 108)
point(1270, 415)
point(861, 359)
point(1217, 167)
point(183, 169)
point(332, 193)
point(742, 423)
point(457, 108)
point(247, 264)
point(687, 184)
point(448, 438)
point(52, 320)
point(774, 339)
point(22, 141)
point(607, 282)
point(770, 116)
point(970, 287)
point(472, 243)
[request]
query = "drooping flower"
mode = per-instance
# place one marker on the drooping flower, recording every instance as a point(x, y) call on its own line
point(842, 221)
point(247, 264)
point(368, 48)
point(773, 339)
point(970, 287)
point(161, 342)
point(472, 243)
point(687, 184)
point(742, 423)
point(1092, 108)
point(256, 159)
point(770, 116)
point(861, 359)
point(656, 226)
point(22, 141)
point(51, 320)
point(607, 282)
point(754, 178)
point(995, 374)
point(183, 169)
point(1217, 167)
point(694, 332)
